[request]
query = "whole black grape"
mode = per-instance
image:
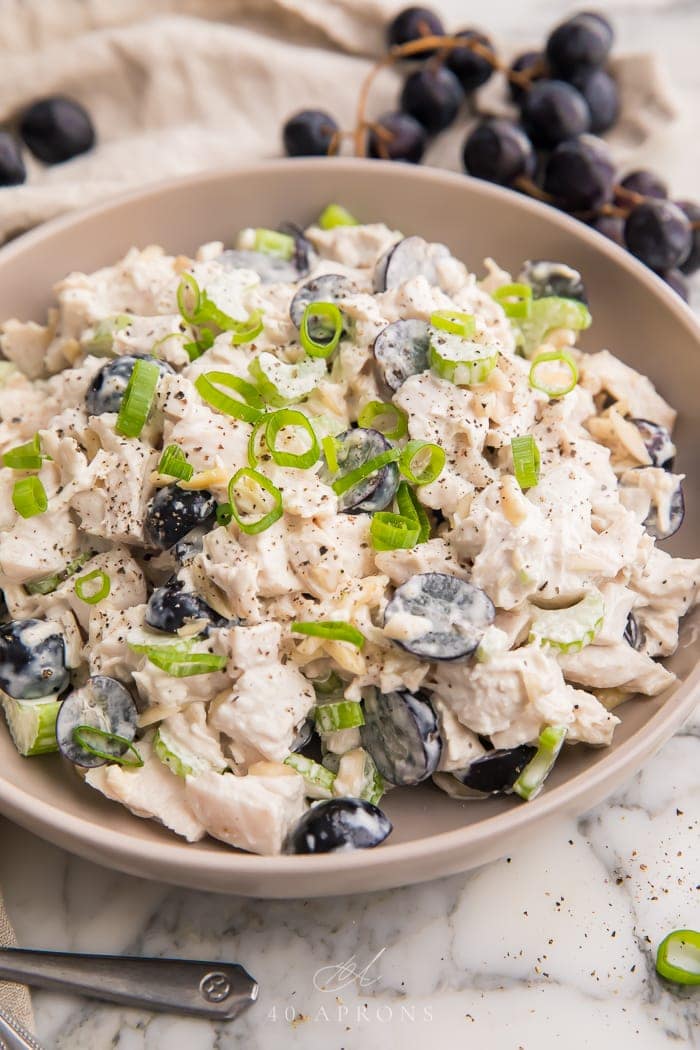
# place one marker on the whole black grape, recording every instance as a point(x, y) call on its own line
point(612, 227)
point(56, 129)
point(692, 213)
point(12, 169)
point(659, 234)
point(646, 183)
point(411, 24)
point(498, 151)
point(580, 174)
point(675, 279)
point(584, 40)
point(524, 63)
point(432, 97)
point(309, 133)
point(397, 136)
point(553, 111)
point(602, 97)
point(472, 70)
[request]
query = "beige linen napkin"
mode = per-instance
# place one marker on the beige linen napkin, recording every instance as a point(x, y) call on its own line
point(177, 86)
point(13, 997)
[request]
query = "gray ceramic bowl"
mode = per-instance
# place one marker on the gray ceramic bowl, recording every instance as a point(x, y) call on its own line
point(635, 315)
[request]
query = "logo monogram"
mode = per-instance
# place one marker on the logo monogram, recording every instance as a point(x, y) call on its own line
point(215, 987)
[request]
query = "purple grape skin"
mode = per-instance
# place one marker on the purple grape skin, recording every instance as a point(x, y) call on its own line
point(523, 64)
point(692, 213)
point(56, 129)
point(645, 183)
point(675, 279)
point(432, 97)
point(659, 234)
point(408, 138)
point(309, 133)
point(498, 151)
point(554, 111)
point(12, 169)
point(580, 174)
point(602, 97)
point(411, 24)
point(612, 227)
point(584, 40)
point(471, 70)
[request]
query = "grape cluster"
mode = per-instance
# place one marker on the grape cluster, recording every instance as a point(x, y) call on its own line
point(54, 129)
point(566, 99)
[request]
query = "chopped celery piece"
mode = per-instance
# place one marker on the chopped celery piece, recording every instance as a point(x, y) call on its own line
point(179, 759)
point(319, 780)
point(462, 361)
point(345, 714)
point(547, 314)
point(48, 584)
point(102, 342)
point(531, 780)
point(336, 215)
point(32, 724)
point(569, 630)
point(358, 777)
point(281, 383)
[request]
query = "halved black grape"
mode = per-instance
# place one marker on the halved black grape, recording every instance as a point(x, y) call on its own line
point(659, 234)
point(171, 607)
point(496, 772)
point(32, 659)
point(354, 448)
point(433, 97)
point(411, 24)
point(692, 213)
point(397, 136)
point(676, 516)
point(401, 734)
point(647, 183)
point(328, 288)
point(309, 133)
point(602, 97)
point(554, 111)
point(471, 69)
point(102, 703)
point(584, 40)
point(553, 279)
point(304, 255)
point(658, 441)
point(498, 151)
point(634, 634)
point(339, 824)
point(173, 512)
point(408, 258)
point(580, 174)
point(401, 350)
point(271, 269)
point(455, 614)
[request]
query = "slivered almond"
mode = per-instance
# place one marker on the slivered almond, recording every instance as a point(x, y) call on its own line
point(515, 506)
point(205, 479)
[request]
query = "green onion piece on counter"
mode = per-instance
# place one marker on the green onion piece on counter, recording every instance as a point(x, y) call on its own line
point(174, 463)
point(319, 780)
point(282, 383)
point(200, 345)
point(81, 736)
point(526, 460)
point(137, 400)
point(549, 313)
point(461, 361)
point(388, 419)
point(29, 497)
point(349, 480)
point(330, 451)
point(248, 330)
point(410, 507)
point(248, 407)
point(392, 532)
point(344, 714)
point(102, 342)
point(289, 417)
point(264, 486)
point(569, 630)
point(678, 957)
point(24, 457)
point(516, 299)
point(93, 587)
point(336, 215)
point(565, 372)
point(224, 514)
point(454, 322)
point(320, 329)
point(335, 630)
point(272, 242)
point(32, 724)
point(531, 780)
point(419, 451)
point(48, 584)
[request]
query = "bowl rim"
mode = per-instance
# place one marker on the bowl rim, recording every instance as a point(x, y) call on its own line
point(570, 796)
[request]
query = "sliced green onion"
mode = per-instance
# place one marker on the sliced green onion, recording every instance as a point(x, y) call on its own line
point(531, 780)
point(32, 724)
point(246, 331)
point(335, 630)
point(526, 460)
point(102, 341)
point(48, 584)
point(224, 514)
point(568, 381)
point(349, 480)
point(90, 594)
point(199, 346)
point(418, 450)
point(248, 407)
point(178, 660)
point(179, 758)
point(24, 457)
point(454, 322)
point(332, 683)
point(29, 497)
point(410, 507)
point(391, 532)
point(516, 299)
point(282, 383)
point(253, 443)
point(330, 451)
point(547, 314)
point(344, 714)
point(336, 215)
point(569, 630)
point(80, 733)
point(174, 463)
point(138, 397)
point(272, 242)
point(289, 417)
point(678, 957)
point(252, 528)
point(318, 778)
point(463, 362)
point(189, 298)
point(327, 323)
point(388, 419)
point(197, 308)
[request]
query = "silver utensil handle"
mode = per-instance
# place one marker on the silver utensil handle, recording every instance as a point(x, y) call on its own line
point(14, 1036)
point(203, 989)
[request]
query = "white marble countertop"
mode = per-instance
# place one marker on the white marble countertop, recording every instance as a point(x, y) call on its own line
point(552, 946)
